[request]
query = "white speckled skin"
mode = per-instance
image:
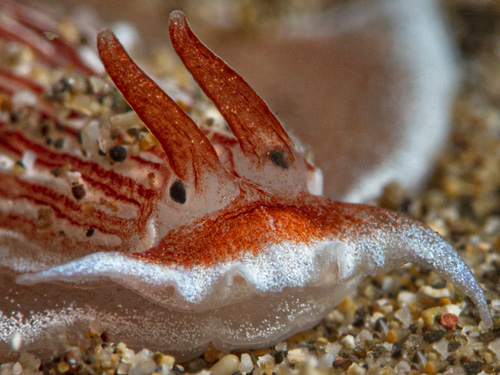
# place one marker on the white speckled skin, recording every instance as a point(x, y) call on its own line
point(294, 288)
point(141, 323)
point(270, 290)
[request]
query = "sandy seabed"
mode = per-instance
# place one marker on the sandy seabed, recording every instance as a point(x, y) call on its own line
point(405, 322)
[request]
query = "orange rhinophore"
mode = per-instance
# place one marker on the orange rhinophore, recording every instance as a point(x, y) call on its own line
point(179, 236)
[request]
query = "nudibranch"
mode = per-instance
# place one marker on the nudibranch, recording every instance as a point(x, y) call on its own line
point(201, 237)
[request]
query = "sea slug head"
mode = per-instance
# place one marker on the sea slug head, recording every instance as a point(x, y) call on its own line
point(248, 217)
point(265, 155)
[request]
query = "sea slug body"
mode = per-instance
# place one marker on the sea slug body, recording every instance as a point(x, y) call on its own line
point(171, 241)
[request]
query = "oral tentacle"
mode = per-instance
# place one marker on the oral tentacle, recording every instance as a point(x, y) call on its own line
point(387, 240)
point(189, 152)
point(258, 131)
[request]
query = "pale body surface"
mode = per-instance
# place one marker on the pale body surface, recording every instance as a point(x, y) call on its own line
point(172, 244)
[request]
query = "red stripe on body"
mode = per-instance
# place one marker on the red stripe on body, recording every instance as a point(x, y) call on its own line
point(15, 188)
point(52, 239)
point(128, 190)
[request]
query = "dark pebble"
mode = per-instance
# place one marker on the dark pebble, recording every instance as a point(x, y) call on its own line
point(56, 172)
point(452, 346)
point(473, 368)
point(134, 132)
point(433, 336)
point(78, 191)
point(359, 318)
point(397, 350)
point(279, 355)
point(118, 153)
point(105, 336)
point(59, 143)
point(195, 365)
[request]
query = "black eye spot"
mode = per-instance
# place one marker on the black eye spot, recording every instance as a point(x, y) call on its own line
point(118, 153)
point(278, 157)
point(178, 192)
